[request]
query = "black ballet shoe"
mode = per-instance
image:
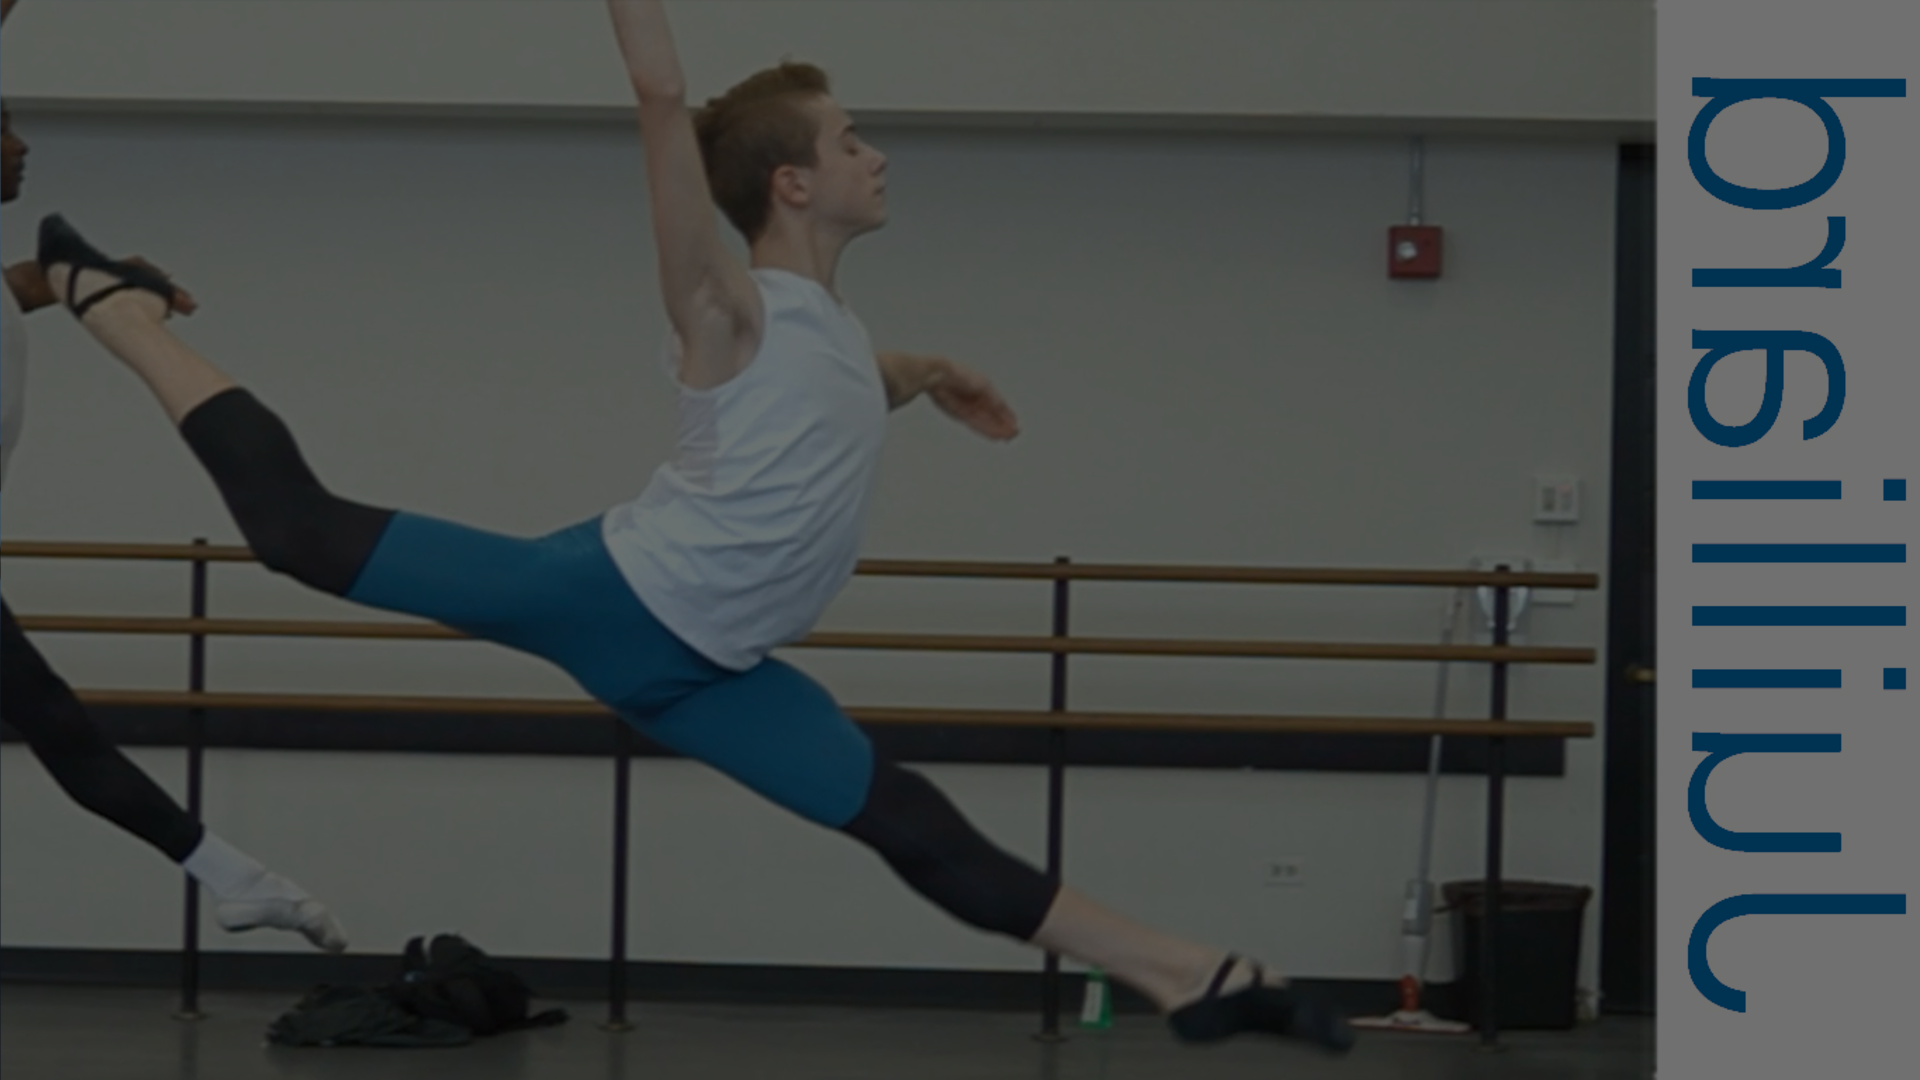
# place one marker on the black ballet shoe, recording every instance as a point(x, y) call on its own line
point(62, 244)
point(1261, 1008)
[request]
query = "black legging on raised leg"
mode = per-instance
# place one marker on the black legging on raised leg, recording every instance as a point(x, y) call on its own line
point(925, 839)
point(561, 598)
point(39, 704)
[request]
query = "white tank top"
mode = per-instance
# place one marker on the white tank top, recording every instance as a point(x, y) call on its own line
point(13, 375)
point(743, 539)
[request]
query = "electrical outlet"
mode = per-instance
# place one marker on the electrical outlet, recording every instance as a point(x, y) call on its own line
point(1556, 499)
point(1283, 873)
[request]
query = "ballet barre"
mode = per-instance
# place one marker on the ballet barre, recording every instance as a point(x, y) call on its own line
point(1058, 719)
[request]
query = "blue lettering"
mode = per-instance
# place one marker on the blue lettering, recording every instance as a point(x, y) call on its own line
point(1724, 343)
point(1721, 747)
point(1733, 907)
point(1725, 93)
point(1814, 274)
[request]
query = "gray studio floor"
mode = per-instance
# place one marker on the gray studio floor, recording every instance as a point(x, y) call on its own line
point(70, 1033)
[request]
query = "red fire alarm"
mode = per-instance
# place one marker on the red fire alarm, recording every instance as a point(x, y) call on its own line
point(1413, 251)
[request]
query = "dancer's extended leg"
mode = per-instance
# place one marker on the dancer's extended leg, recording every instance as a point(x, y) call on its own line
point(781, 734)
point(98, 775)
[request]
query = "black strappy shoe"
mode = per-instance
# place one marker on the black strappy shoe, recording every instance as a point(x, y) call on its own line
point(1258, 1007)
point(62, 244)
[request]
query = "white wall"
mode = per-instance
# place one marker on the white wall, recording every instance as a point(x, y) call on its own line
point(1508, 60)
point(1212, 367)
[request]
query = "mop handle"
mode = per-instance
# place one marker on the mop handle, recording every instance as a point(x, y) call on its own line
point(1433, 743)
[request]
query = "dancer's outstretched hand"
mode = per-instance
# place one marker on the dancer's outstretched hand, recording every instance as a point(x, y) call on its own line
point(29, 286)
point(967, 396)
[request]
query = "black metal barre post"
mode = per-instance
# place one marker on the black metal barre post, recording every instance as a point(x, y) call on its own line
point(622, 816)
point(1056, 803)
point(1496, 822)
point(196, 754)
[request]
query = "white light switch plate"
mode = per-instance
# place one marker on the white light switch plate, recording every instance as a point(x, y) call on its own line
point(1556, 499)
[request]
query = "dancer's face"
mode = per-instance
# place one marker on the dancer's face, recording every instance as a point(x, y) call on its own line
point(848, 186)
point(16, 157)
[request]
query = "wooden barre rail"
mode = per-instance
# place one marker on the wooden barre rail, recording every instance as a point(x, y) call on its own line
point(1058, 721)
point(1085, 721)
point(1013, 571)
point(975, 643)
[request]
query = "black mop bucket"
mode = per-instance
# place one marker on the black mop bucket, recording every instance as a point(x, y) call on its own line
point(1536, 960)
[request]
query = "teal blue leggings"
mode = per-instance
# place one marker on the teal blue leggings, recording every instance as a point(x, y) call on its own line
point(561, 598)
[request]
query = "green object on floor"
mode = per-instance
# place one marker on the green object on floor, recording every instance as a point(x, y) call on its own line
point(1096, 1007)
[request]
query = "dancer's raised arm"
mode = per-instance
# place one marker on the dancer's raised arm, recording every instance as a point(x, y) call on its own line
point(710, 298)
